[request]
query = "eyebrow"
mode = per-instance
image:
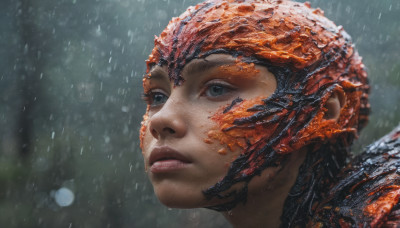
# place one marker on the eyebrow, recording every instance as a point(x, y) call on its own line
point(204, 65)
point(200, 65)
point(157, 73)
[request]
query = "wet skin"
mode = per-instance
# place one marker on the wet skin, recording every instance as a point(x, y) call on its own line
point(181, 160)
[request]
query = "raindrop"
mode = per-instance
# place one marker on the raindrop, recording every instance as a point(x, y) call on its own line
point(125, 109)
point(64, 197)
point(98, 30)
point(26, 48)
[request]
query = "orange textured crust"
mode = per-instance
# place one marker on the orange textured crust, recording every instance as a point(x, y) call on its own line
point(368, 191)
point(240, 70)
point(232, 136)
point(382, 207)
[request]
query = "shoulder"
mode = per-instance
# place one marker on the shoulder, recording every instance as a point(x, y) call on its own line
point(368, 193)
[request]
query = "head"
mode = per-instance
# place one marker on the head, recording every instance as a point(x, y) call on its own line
point(264, 74)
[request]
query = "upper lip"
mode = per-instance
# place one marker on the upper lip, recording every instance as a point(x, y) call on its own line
point(164, 153)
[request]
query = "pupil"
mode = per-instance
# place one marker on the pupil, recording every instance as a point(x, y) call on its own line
point(159, 99)
point(217, 90)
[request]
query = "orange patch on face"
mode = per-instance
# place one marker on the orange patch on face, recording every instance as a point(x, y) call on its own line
point(238, 137)
point(143, 128)
point(146, 82)
point(240, 70)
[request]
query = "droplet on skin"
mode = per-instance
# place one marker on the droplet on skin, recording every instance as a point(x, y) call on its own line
point(222, 151)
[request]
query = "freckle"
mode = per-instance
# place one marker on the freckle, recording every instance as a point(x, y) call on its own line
point(222, 151)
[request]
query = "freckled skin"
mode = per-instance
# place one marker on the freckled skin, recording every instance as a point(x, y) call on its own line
point(312, 59)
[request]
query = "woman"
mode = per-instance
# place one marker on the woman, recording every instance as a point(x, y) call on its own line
point(252, 107)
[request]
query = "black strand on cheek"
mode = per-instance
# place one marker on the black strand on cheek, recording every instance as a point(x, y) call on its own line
point(234, 102)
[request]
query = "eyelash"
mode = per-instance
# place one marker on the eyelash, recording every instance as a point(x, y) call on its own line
point(145, 97)
point(149, 97)
point(224, 85)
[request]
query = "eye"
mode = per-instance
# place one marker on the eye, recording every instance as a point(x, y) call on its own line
point(217, 90)
point(155, 98)
point(158, 99)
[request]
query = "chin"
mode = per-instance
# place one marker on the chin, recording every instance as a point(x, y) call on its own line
point(185, 199)
point(179, 199)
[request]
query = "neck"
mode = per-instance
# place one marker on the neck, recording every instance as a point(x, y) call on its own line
point(267, 195)
point(257, 212)
point(316, 176)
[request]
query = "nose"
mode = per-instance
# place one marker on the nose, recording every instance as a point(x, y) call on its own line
point(168, 121)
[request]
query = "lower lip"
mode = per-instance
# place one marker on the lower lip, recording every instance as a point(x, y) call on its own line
point(167, 166)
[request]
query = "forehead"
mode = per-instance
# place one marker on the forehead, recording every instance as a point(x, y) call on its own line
point(195, 66)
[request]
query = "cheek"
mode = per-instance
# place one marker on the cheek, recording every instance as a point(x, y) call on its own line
point(239, 136)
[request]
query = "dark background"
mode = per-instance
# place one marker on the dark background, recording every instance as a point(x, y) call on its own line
point(70, 108)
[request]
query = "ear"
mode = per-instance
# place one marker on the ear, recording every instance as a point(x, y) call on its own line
point(334, 104)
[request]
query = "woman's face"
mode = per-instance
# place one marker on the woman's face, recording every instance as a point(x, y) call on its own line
point(182, 155)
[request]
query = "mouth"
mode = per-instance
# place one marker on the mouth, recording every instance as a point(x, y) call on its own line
point(165, 159)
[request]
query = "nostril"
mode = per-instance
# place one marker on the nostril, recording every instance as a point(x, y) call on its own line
point(165, 131)
point(169, 130)
point(154, 133)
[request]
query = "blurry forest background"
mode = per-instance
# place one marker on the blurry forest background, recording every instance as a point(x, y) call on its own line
point(70, 107)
